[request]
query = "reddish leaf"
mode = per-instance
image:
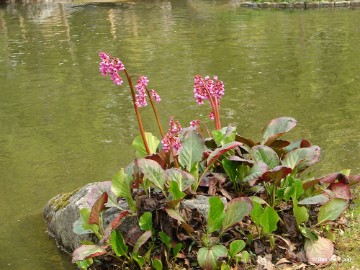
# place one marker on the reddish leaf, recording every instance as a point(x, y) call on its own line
point(243, 140)
point(279, 144)
point(98, 206)
point(327, 179)
point(220, 151)
point(276, 174)
point(319, 251)
point(354, 180)
point(177, 216)
point(341, 190)
point(276, 128)
point(157, 157)
point(242, 160)
point(113, 225)
point(87, 251)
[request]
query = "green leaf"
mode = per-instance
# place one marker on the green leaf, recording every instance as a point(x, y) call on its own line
point(121, 187)
point(165, 239)
point(302, 158)
point(317, 199)
point(265, 154)
point(235, 211)
point(138, 259)
point(269, 220)
point(142, 240)
point(191, 151)
point(276, 128)
point(184, 179)
point(176, 193)
point(332, 210)
point(139, 146)
point(300, 212)
point(177, 249)
point(235, 247)
point(145, 221)
point(156, 264)
point(224, 135)
point(84, 264)
point(256, 213)
point(153, 172)
point(319, 251)
point(245, 257)
point(215, 215)
point(208, 257)
point(231, 169)
point(117, 243)
point(86, 251)
point(85, 215)
point(308, 233)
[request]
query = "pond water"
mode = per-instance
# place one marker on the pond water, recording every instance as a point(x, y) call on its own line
point(62, 125)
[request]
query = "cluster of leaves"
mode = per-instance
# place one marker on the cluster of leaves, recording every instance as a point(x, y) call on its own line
point(259, 182)
point(256, 192)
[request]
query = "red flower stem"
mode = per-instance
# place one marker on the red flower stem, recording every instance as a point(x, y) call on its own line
point(214, 108)
point(156, 114)
point(141, 127)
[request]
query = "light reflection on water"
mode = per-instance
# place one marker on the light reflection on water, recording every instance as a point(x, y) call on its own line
point(63, 125)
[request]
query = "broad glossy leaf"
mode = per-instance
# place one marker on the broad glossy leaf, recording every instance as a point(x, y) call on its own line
point(85, 215)
point(153, 172)
point(300, 212)
point(79, 229)
point(276, 174)
point(208, 257)
point(86, 251)
point(256, 212)
point(113, 225)
point(117, 243)
point(220, 151)
point(224, 135)
point(231, 168)
point(269, 220)
point(302, 158)
point(191, 151)
point(175, 192)
point(184, 179)
point(265, 154)
point(139, 146)
point(235, 211)
point(145, 221)
point(332, 210)
point(317, 199)
point(341, 190)
point(235, 247)
point(256, 171)
point(177, 249)
point(319, 251)
point(98, 206)
point(276, 128)
point(142, 240)
point(215, 215)
point(257, 200)
point(121, 187)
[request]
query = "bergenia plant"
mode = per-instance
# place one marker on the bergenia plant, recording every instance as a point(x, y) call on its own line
point(265, 201)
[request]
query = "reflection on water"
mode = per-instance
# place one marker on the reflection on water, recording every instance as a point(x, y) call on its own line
point(63, 125)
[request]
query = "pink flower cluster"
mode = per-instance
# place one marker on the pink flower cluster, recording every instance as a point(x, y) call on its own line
point(111, 66)
point(141, 92)
point(207, 89)
point(195, 123)
point(171, 139)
